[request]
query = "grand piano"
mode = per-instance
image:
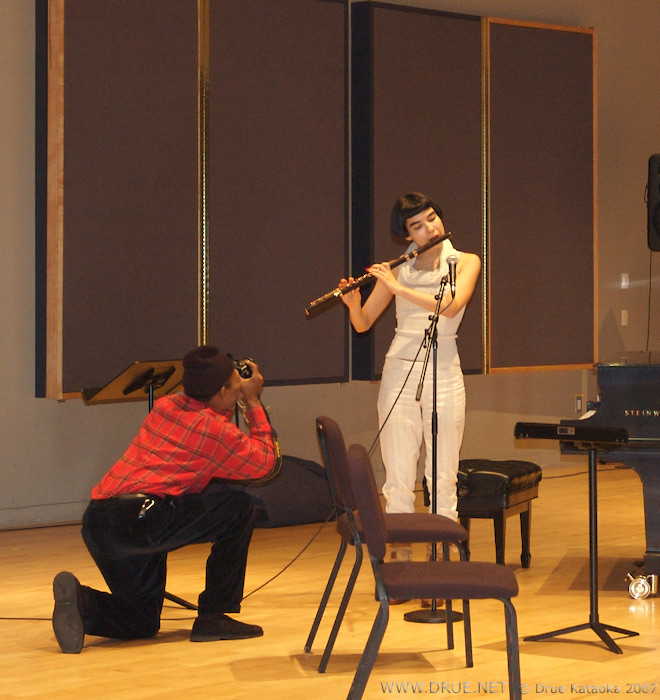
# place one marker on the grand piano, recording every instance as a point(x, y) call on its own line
point(629, 399)
point(623, 426)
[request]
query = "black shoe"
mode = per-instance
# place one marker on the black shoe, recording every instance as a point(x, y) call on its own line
point(213, 627)
point(67, 615)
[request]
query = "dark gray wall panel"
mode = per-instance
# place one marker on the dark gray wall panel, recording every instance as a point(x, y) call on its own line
point(417, 127)
point(130, 186)
point(277, 192)
point(541, 197)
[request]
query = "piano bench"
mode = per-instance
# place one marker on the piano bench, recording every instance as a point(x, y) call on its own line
point(498, 490)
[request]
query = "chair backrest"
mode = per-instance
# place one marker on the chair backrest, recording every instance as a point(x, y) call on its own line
point(365, 493)
point(333, 449)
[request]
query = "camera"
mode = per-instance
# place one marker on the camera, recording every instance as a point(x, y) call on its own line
point(244, 370)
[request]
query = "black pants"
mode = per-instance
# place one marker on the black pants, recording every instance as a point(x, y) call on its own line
point(131, 553)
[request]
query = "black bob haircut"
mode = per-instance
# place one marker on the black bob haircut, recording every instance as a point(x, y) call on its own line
point(407, 206)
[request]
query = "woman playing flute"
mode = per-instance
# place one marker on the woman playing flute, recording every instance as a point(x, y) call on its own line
point(415, 284)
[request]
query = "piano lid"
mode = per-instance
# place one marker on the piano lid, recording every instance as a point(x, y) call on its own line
point(629, 397)
point(643, 358)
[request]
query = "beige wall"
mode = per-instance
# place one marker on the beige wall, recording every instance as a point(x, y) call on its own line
point(51, 453)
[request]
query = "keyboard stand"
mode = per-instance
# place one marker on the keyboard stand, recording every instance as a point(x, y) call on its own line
point(594, 623)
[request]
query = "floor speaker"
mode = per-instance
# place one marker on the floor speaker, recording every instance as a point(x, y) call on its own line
point(653, 202)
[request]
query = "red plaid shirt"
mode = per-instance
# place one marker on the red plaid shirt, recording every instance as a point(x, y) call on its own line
point(182, 445)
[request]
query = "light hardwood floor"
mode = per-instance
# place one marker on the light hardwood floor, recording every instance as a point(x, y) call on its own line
point(553, 594)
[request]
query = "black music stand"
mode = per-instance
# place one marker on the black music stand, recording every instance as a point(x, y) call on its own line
point(139, 382)
point(432, 614)
point(607, 436)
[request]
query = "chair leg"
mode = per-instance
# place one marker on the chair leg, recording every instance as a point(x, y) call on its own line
point(499, 521)
point(464, 520)
point(525, 530)
point(342, 609)
point(462, 551)
point(467, 631)
point(326, 595)
point(448, 604)
point(450, 624)
point(512, 652)
point(370, 651)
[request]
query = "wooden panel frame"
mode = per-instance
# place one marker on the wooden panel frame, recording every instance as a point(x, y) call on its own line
point(55, 200)
point(49, 384)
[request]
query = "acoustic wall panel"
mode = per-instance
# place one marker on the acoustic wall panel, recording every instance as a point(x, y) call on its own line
point(541, 193)
point(277, 184)
point(118, 212)
point(416, 127)
point(127, 191)
point(159, 149)
point(494, 120)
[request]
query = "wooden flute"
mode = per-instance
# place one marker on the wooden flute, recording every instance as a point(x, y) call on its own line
point(319, 304)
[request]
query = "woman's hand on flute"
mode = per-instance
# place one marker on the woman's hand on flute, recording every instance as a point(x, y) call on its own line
point(352, 299)
point(383, 273)
point(364, 315)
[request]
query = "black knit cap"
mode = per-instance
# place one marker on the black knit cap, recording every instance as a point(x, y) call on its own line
point(205, 371)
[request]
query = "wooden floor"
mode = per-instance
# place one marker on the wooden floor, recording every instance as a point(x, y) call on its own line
point(553, 594)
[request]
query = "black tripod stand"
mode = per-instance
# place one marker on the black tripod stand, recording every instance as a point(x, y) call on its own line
point(524, 430)
point(600, 628)
point(140, 381)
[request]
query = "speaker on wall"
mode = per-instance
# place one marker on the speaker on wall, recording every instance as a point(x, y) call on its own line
point(653, 202)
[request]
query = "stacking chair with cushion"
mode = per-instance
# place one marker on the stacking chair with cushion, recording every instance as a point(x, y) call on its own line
point(424, 579)
point(400, 527)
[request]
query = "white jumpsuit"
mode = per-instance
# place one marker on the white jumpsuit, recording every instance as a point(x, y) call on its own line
point(410, 421)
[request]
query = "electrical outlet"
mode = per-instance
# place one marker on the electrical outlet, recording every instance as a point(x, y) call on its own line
point(578, 403)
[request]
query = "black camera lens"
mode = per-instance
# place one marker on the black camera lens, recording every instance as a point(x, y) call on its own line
point(244, 370)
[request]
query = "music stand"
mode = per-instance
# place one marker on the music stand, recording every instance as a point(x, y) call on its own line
point(591, 443)
point(141, 381)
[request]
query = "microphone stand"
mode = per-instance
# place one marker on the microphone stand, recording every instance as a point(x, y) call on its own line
point(432, 614)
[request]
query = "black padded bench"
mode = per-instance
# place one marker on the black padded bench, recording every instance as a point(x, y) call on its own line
point(498, 489)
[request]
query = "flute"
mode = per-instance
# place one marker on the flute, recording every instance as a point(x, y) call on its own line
point(316, 305)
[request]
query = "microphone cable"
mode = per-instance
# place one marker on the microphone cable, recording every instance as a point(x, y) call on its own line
point(300, 553)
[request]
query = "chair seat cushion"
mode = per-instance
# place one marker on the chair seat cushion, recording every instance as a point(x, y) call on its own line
point(423, 527)
point(485, 484)
point(453, 580)
point(411, 527)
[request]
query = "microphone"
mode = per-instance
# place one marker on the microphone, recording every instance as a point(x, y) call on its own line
point(451, 261)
